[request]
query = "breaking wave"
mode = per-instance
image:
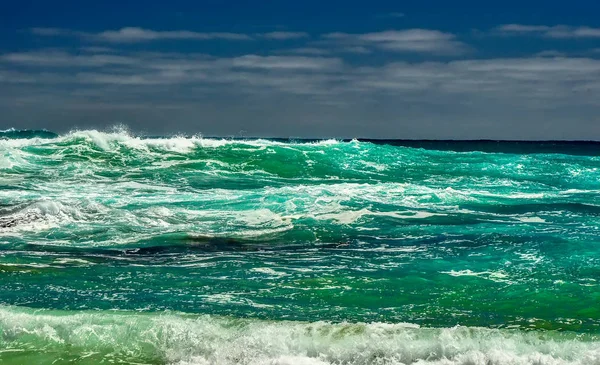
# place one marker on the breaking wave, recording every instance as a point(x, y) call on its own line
point(90, 337)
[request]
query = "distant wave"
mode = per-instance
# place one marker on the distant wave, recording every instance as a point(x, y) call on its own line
point(121, 135)
point(13, 133)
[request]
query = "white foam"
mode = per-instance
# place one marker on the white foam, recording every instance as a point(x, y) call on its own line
point(497, 276)
point(108, 141)
point(268, 271)
point(531, 219)
point(214, 340)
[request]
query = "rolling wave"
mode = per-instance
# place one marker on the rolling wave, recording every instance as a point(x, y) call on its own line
point(91, 337)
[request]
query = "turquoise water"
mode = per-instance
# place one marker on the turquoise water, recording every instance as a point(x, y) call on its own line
point(190, 250)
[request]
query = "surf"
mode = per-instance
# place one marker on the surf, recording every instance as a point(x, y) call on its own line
point(172, 338)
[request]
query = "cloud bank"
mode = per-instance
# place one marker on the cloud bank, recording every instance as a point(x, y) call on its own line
point(410, 83)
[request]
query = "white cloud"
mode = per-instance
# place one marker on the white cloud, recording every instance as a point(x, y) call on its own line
point(286, 62)
point(550, 53)
point(424, 41)
point(160, 78)
point(521, 28)
point(133, 34)
point(556, 31)
point(137, 35)
point(409, 40)
point(64, 59)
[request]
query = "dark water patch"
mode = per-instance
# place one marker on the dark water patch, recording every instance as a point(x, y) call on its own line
point(178, 246)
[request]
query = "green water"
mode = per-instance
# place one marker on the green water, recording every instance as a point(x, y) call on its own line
point(119, 249)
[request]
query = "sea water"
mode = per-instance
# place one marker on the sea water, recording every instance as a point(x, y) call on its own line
point(121, 249)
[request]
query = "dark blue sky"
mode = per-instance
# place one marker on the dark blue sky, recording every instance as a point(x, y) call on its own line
point(384, 69)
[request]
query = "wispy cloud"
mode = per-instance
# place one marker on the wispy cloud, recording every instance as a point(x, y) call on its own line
point(424, 41)
point(553, 77)
point(409, 40)
point(286, 62)
point(556, 31)
point(312, 51)
point(133, 34)
point(391, 15)
point(284, 35)
point(49, 32)
point(139, 35)
point(63, 59)
point(551, 53)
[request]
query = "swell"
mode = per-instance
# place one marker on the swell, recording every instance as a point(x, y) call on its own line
point(171, 338)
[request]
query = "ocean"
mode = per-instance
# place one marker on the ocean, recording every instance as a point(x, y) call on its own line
point(121, 249)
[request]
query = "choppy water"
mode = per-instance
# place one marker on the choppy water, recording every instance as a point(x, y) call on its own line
point(119, 249)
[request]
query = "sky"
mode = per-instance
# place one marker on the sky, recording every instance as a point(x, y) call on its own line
point(525, 70)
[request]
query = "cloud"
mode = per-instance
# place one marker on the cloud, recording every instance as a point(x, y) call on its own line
point(286, 62)
point(161, 78)
point(49, 31)
point(312, 51)
point(409, 40)
point(550, 53)
point(152, 68)
point(139, 35)
point(133, 34)
point(284, 35)
point(64, 59)
point(355, 50)
point(519, 80)
point(556, 31)
point(314, 94)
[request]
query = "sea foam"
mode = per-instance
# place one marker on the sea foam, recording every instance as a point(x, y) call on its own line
point(182, 339)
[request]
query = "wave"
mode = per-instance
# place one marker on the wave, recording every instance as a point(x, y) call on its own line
point(170, 338)
point(98, 153)
point(27, 134)
point(109, 140)
point(582, 148)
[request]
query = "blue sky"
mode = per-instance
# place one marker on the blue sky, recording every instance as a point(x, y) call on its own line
point(378, 69)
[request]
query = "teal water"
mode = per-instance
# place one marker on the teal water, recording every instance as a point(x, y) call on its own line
point(190, 250)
